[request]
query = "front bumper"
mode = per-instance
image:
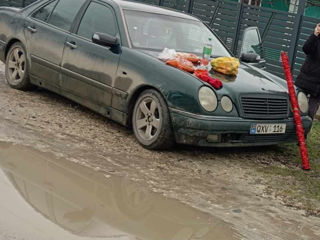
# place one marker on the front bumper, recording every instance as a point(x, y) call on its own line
point(228, 131)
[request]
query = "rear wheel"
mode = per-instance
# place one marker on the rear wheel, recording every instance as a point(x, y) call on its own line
point(151, 121)
point(16, 69)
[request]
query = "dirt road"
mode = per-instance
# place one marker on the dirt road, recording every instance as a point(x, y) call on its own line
point(221, 182)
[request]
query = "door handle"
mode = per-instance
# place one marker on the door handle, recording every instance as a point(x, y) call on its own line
point(31, 29)
point(72, 45)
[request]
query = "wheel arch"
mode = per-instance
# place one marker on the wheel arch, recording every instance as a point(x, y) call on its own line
point(9, 44)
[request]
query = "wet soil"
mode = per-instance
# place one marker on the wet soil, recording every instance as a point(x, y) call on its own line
point(221, 182)
point(89, 203)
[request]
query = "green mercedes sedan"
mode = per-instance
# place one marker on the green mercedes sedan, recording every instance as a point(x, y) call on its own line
point(104, 54)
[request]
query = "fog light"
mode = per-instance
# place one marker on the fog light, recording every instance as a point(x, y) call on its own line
point(226, 104)
point(213, 138)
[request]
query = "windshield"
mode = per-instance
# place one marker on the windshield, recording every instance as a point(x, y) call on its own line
point(155, 32)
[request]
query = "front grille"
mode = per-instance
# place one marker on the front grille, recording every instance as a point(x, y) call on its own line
point(264, 107)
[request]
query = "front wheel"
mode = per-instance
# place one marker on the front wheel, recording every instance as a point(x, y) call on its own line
point(151, 121)
point(16, 69)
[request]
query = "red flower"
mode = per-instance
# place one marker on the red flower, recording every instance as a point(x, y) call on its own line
point(203, 75)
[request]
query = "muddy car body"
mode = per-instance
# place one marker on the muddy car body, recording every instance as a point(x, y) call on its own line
point(103, 55)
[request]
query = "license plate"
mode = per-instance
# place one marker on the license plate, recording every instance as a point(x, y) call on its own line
point(268, 128)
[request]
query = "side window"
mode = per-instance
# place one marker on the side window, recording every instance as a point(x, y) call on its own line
point(44, 12)
point(98, 18)
point(65, 12)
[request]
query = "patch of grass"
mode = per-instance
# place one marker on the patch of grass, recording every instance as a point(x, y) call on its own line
point(297, 188)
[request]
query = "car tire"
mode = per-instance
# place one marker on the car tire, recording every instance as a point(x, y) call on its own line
point(16, 69)
point(151, 121)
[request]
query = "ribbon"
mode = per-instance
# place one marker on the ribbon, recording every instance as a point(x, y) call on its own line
point(204, 76)
point(296, 112)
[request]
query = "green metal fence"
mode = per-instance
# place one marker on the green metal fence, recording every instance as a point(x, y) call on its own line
point(280, 30)
point(306, 27)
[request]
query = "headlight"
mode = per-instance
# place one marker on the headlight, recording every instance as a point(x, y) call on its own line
point(226, 104)
point(303, 102)
point(208, 99)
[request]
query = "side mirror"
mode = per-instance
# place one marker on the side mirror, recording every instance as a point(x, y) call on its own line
point(251, 42)
point(250, 57)
point(104, 39)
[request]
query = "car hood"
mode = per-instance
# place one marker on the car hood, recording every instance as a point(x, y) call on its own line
point(248, 80)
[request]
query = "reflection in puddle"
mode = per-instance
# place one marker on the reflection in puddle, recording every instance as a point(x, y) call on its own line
point(89, 204)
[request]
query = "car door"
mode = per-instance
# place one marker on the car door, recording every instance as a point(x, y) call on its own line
point(46, 30)
point(88, 69)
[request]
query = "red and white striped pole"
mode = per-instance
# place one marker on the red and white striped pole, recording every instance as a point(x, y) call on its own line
point(296, 112)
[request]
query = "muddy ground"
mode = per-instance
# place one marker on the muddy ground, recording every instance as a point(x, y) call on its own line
point(222, 182)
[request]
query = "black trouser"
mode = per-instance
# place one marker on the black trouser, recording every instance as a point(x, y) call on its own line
point(314, 103)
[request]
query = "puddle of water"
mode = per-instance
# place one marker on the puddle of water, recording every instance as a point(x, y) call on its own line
point(79, 202)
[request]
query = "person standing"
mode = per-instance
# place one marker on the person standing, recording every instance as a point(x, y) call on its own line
point(309, 77)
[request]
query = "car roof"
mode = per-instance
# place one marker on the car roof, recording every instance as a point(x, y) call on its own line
point(152, 9)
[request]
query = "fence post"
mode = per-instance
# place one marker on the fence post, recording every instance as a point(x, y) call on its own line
point(296, 32)
point(267, 27)
point(161, 2)
point(236, 34)
point(213, 17)
point(190, 7)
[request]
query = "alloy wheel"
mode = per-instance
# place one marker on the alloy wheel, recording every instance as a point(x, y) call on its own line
point(16, 66)
point(148, 121)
